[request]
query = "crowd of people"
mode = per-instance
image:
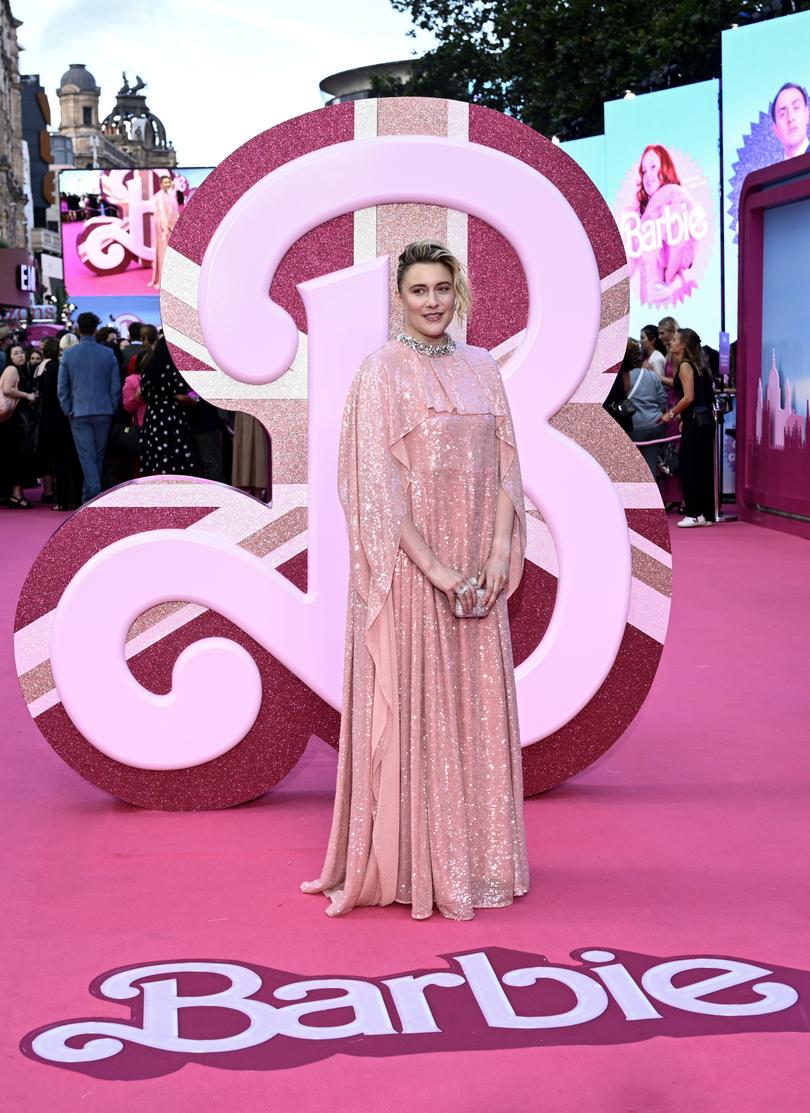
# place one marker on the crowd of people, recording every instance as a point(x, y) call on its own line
point(90, 409)
point(663, 397)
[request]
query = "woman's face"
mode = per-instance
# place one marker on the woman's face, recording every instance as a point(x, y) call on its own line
point(676, 347)
point(646, 343)
point(17, 356)
point(35, 358)
point(428, 299)
point(651, 172)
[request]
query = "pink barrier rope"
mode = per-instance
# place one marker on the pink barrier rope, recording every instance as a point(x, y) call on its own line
point(662, 440)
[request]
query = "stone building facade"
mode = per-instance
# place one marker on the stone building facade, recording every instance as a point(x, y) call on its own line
point(14, 230)
point(130, 135)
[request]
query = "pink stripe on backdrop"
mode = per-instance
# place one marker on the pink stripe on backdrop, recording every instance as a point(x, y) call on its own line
point(411, 116)
point(400, 224)
point(493, 129)
point(74, 544)
point(649, 610)
point(252, 162)
point(181, 317)
point(500, 294)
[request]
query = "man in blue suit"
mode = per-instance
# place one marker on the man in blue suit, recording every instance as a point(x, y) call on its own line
point(89, 389)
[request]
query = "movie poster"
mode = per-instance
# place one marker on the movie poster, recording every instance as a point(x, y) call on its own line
point(766, 117)
point(662, 168)
point(116, 226)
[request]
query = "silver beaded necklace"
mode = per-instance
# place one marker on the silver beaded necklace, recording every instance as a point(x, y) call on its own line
point(428, 349)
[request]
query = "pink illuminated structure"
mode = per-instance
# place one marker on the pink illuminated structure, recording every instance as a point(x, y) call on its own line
point(781, 426)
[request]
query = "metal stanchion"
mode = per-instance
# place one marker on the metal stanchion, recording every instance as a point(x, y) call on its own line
point(724, 400)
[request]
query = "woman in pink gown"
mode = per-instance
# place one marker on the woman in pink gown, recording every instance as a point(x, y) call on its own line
point(167, 213)
point(429, 800)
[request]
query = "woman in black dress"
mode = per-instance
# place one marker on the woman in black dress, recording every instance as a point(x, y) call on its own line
point(16, 431)
point(167, 445)
point(55, 452)
point(693, 385)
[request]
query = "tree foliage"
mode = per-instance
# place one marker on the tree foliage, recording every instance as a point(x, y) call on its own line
point(552, 63)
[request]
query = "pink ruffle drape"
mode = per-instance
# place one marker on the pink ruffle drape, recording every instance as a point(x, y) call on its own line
point(401, 410)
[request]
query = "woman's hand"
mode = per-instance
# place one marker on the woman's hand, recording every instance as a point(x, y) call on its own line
point(494, 576)
point(448, 580)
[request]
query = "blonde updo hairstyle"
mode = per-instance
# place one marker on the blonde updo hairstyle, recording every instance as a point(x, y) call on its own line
point(431, 251)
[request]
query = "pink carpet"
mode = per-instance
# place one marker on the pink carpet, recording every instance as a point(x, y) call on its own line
point(689, 838)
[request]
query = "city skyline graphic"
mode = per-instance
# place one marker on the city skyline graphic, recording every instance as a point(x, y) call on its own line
point(777, 422)
point(778, 455)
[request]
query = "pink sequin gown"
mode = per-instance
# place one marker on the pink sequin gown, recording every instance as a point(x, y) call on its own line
point(167, 213)
point(429, 800)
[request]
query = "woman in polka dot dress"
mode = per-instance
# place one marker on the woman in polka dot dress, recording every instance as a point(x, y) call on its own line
point(167, 444)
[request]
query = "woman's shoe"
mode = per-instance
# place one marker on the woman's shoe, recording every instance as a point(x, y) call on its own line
point(688, 523)
point(21, 503)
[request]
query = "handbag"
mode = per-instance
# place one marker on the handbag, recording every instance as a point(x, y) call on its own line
point(125, 439)
point(479, 610)
point(625, 407)
point(703, 417)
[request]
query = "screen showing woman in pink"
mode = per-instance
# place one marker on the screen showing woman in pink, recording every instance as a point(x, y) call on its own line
point(662, 230)
point(167, 213)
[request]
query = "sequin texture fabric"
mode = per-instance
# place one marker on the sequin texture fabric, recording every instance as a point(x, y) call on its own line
point(429, 800)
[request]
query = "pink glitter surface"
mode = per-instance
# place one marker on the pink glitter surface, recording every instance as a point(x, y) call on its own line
point(504, 133)
point(80, 537)
point(500, 294)
point(651, 524)
point(652, 572)
point(181, 317)
point(591, 426)
point(615, 303)
point(249, 164)
point(289, 715)
point(327, 248)
point(411, 116)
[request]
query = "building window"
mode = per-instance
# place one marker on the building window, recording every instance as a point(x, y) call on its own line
point(87, 116)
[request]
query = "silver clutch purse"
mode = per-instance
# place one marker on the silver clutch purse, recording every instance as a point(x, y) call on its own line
point(479, 610)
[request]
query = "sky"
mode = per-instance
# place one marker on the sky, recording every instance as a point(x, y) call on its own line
point(217, 72)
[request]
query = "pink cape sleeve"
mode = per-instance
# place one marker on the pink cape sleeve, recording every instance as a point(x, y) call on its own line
point(510, 476)
point(362, 856)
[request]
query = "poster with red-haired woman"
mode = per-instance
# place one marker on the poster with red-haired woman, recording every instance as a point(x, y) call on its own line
point(663, 226)
point(662, 177)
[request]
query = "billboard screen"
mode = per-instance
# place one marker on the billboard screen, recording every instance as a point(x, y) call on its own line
point(766, 74)
point(662, 169)
point(778, 445)
point(590, 155)
point(115, 227)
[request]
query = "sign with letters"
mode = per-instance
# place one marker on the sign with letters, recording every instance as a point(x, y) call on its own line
point(213, 625)
point(27, 277)
point(239, 1016)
